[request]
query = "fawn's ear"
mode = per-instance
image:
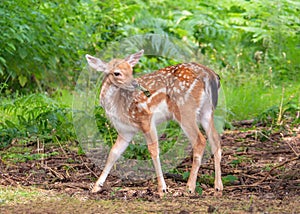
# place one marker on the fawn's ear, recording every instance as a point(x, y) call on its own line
point(134, 58)
point(96, 63)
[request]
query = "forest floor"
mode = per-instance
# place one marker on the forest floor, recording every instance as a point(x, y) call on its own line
point(260, 167)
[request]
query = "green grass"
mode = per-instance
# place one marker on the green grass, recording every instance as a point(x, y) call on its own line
point(249, 100)
point(10, 195)
point(64, 97)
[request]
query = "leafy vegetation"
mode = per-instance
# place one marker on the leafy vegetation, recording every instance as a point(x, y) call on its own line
point(23, 157)
point(32, 118)
point(42, 43)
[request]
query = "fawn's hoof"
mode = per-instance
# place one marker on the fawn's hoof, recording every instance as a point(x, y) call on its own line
point(97, 188)
point(218, 193)
point(162, 193)
point(190, 189)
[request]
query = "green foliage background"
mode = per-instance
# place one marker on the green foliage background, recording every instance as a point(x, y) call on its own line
point(253, 45)
point(42, 42)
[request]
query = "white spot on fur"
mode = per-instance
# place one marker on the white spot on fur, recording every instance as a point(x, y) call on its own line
point(187, 94)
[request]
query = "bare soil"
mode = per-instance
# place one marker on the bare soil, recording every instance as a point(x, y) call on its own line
point(261, 167)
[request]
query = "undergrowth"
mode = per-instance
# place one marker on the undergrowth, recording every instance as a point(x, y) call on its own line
point(34, 117)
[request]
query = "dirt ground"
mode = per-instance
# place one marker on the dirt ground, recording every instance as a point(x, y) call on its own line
point(261, 168)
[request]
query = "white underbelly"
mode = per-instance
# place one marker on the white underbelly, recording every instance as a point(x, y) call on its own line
point(161, 113)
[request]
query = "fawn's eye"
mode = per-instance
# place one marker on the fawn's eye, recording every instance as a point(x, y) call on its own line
point(116, 74)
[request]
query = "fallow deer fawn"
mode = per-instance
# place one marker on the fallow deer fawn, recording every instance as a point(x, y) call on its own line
point(186, 93)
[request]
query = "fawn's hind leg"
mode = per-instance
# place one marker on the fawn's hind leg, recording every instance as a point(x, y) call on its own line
point(198, 142)
point(207, 122)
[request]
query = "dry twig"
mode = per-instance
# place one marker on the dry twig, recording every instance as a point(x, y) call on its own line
point(57, 174)
point(88, 168)
point(275, 167)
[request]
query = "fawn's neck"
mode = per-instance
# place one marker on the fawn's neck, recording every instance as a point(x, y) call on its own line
point(116, 101)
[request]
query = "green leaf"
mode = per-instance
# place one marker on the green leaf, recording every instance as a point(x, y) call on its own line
point(229, 179)
point(185, 175)
point(3, 61)
point(22, 80)
point(23, 53)
point(198, 189)
point(9, 124)
point(12, 46)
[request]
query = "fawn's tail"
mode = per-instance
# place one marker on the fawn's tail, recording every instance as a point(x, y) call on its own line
point(214, 89)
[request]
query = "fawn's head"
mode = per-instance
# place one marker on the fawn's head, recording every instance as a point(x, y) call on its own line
point(118, 71)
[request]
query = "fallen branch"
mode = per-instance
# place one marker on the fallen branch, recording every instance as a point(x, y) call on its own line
point(275, 167)
point(258, 152)
point(88, 168)
point(176, 177)
point(243, 122)
point(8, 179)
point(70, 185)
point(247, 186)
point(57, 174)
point(258, 183)
point(292, 148)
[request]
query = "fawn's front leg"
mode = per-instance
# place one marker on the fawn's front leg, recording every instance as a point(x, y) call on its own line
point(152, 143)
point(116, 151)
